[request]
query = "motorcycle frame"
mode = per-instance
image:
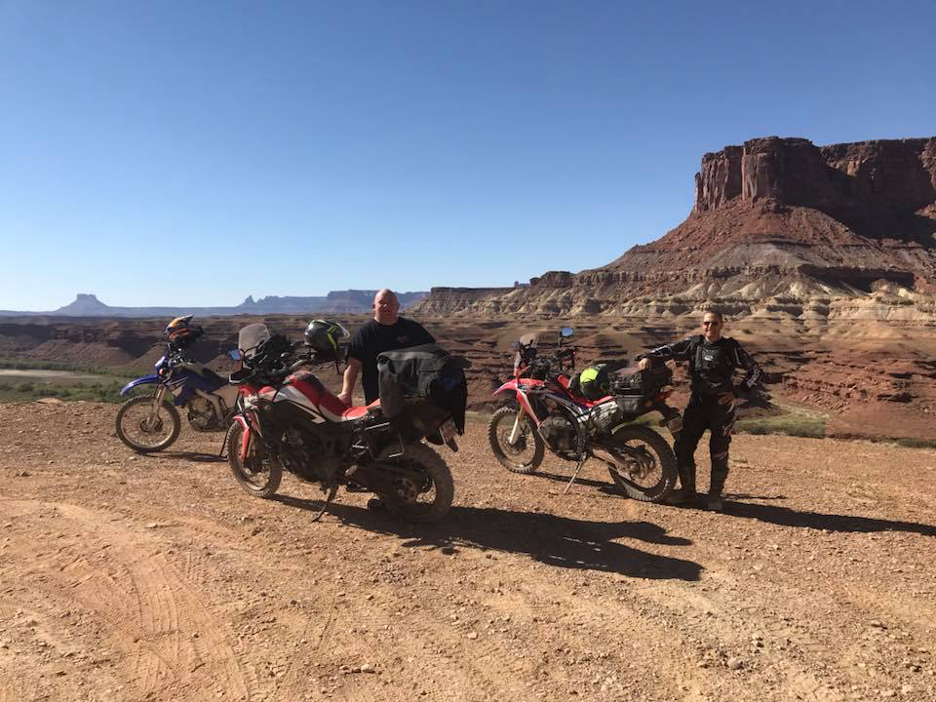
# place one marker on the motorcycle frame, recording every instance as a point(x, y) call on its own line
point(183, 380)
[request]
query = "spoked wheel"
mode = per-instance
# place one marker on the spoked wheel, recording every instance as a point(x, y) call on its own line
point(260, 474)
point(146, 425)
point(422, 485)
point(525, 454)
point(641, 463)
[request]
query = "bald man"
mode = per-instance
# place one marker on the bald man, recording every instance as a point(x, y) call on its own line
point(387, 331)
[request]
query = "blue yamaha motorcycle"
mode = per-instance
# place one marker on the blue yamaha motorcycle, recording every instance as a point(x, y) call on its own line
point(151, 422)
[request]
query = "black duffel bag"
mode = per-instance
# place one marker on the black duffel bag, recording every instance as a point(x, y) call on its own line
point(426, 372)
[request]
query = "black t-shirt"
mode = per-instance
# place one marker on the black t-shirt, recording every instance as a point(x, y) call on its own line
point(374, 338)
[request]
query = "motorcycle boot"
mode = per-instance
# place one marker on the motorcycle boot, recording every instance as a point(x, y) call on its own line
point(718, 446)
point(686, 492)
point(694, 424)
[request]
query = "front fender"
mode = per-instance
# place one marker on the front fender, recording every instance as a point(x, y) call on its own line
point(145, 380)
point(509, 386)
point(244, 447)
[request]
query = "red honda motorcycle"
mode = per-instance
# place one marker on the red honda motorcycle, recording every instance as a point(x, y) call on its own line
point(549, 413)
point(287, 420)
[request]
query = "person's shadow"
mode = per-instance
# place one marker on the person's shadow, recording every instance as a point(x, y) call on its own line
point(784, 516)
point(557, 541)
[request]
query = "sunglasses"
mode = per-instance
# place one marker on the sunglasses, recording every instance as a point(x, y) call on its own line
point(713, 324)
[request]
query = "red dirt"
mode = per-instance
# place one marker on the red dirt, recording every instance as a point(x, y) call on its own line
point(156, 578)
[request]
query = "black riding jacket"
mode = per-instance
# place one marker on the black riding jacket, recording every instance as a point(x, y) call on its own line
point(711, 365)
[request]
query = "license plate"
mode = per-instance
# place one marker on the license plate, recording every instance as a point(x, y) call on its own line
point(447, 429)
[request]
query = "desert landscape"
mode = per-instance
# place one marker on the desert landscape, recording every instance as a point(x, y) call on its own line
point(155, 578)
point(128, 577)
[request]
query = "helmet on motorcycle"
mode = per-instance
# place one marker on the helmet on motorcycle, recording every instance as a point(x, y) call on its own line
point(323, 338)
point(181, 332)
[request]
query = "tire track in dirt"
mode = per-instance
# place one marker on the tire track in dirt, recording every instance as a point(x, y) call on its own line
point(168, 641)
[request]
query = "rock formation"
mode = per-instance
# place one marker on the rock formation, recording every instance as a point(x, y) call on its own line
point(778, 226)
point(336, 302)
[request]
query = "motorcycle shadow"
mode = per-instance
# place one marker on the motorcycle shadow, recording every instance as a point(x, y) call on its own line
point(197, 456)
point(604, 486)
point(552, 540)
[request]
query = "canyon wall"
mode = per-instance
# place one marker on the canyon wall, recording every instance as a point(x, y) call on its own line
point(779, 226)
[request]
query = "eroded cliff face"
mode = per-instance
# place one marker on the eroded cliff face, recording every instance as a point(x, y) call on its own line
point(779, 227)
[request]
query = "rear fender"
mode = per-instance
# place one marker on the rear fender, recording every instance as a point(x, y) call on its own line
point(145, 380)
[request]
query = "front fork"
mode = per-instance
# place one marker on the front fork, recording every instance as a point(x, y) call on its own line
point(157, 404)
point(517, 430)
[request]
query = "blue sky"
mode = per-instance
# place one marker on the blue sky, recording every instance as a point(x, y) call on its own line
point(184, 153)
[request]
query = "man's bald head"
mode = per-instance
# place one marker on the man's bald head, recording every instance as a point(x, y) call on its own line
point(386, 307)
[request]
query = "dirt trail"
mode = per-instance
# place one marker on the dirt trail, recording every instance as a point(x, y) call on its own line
point(156, 578)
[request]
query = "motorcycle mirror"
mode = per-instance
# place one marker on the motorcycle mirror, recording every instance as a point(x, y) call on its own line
point(234, 354)
point(566, 332)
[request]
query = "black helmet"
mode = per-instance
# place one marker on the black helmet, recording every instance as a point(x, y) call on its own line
point(323, 338)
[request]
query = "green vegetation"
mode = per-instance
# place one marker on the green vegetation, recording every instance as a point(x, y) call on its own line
point(914, 442)
point(89, 383)
point(105, 390)
point(787, 424)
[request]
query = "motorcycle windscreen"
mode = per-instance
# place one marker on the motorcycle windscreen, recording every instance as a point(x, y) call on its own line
point(525, 341)
point(250, 337)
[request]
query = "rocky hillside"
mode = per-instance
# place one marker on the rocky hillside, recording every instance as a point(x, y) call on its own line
point(779, 227)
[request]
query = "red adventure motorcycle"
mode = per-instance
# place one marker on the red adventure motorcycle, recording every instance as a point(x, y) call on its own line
point(286, 419)
point(550, 413)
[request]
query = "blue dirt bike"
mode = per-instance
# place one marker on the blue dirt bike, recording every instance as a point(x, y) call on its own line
point(151, 422)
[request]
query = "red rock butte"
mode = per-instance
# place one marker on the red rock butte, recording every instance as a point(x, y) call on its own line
point(777, 225)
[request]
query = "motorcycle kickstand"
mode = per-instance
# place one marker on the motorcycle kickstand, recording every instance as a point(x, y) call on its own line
point(578, 468)
point(331, 496)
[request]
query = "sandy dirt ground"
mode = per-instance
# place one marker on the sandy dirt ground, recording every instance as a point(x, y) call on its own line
point(157, 578)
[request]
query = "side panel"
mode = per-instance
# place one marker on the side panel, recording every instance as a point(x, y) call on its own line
point(294, 396)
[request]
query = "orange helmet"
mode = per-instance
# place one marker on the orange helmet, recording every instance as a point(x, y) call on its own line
point(181, 333)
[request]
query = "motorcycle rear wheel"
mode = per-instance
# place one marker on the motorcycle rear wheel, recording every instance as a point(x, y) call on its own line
point(646, 470)
point(139, 429)
point(515, 458)
point(262, 474)
point(427, 499)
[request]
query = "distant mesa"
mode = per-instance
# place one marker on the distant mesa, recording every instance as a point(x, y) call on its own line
point(335, 302)
point(779, 226)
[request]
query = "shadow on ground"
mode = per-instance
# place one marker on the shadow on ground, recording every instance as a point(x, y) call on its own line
point(555, 541)
point(196, 456)
point(784, 516)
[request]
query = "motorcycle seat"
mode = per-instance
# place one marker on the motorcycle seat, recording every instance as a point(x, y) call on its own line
point(360, 410)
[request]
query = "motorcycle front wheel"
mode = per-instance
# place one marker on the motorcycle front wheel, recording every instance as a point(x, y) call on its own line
point(526, 453)
point(423, 489)
point(145, 426)
point(260, 474)
point(642, 463)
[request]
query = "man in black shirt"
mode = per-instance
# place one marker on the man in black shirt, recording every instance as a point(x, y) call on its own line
point(387, 331)
point(713, 360)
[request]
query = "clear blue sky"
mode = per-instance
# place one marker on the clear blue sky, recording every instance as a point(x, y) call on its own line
point(192, 153)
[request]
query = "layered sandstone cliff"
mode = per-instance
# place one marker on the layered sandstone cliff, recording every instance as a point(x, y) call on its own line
point(779, 226)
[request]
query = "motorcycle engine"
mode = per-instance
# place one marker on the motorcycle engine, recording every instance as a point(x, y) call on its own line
point(201, 414)
point(310, 458)
point(558, 433)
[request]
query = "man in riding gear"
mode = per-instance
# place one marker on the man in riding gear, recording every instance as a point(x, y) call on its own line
point(387, 331)
point(712, 360)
